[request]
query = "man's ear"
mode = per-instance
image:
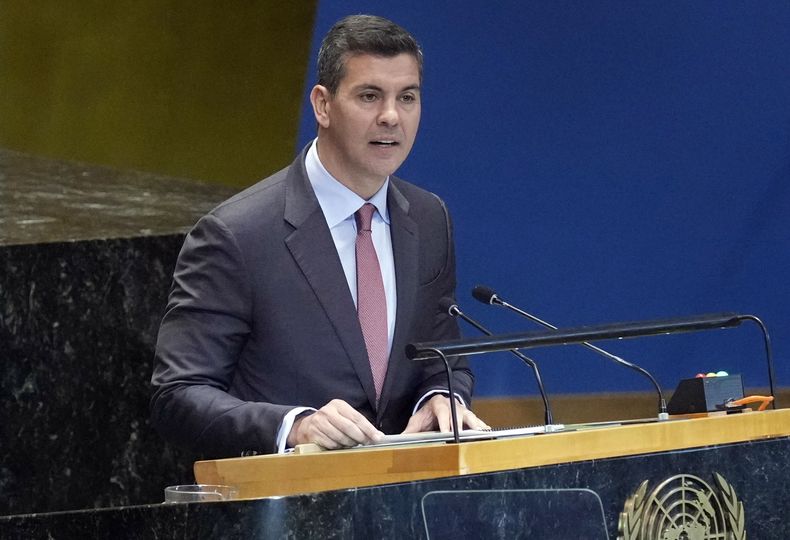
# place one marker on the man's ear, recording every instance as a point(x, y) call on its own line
point(320, 99)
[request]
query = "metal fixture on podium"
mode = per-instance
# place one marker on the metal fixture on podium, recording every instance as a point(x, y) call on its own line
point(582, 334)
point(486, 295)
point(452, 308)
point(449, 371)
point(575, 335)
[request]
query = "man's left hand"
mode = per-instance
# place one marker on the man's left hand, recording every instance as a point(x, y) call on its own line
point(436, 414)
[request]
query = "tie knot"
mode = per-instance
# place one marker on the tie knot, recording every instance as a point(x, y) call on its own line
point(364, 216)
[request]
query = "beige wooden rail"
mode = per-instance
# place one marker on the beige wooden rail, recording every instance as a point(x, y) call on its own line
point(263, 476)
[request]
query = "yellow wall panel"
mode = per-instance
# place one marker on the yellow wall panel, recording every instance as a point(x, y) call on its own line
point(207, 90)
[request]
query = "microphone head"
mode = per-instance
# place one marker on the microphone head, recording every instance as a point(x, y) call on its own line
point(448, 305)
point(484, 294)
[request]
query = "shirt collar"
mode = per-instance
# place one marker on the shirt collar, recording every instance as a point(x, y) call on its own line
point(336, 200)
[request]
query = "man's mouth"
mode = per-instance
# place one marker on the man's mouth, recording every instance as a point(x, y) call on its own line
point(384, 143)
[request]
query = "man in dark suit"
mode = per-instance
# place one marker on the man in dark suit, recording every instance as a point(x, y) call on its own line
point(289, 313)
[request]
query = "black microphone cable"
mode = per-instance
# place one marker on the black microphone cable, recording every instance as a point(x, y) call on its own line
point(487, 295)
point(448, 305)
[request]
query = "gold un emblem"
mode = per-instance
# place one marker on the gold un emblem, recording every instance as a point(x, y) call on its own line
point(683, 507)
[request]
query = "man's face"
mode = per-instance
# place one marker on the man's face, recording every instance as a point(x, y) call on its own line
point(368, 127)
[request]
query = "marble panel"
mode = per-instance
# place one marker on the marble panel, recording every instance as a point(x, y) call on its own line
point(757, 471)
point(86, 261)
point(47, 200)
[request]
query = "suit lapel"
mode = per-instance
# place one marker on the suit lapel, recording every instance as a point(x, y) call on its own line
point(405, 242)
point(313, 249)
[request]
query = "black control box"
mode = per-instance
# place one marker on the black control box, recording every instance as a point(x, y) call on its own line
point(705, 394)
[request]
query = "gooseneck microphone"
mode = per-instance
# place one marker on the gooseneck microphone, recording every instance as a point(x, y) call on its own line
point(448, 305)
point(487, 295)
point(768, 353)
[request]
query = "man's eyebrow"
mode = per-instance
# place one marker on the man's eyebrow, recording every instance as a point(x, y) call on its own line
point(365, 86)
point(377, 88)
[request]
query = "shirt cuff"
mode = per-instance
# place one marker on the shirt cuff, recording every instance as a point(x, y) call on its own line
point(286, 425)
point(434, 392)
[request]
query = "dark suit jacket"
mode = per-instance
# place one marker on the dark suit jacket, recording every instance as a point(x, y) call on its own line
point(260, 318)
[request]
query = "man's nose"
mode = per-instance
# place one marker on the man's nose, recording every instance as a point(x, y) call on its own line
point(388, 115)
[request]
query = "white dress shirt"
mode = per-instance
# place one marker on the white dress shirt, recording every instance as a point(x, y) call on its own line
point(339, 204)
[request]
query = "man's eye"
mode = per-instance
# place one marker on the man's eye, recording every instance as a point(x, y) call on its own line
point(408, 98)
point(368, 97)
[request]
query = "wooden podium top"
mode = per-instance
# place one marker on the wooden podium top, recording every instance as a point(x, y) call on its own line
point(289, 474)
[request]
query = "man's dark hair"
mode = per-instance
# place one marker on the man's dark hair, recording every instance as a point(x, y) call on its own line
point(361, 34)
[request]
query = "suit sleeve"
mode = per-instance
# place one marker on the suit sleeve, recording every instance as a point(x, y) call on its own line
point(443, 326)
point(205, 327)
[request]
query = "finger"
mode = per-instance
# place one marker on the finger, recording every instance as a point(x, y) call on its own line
point(355, 433)
point(465, 417)
point(417, 422)
point(319, 429)
point(443, 413)
point(346, 426)
point(353, 423)
point(472, 421)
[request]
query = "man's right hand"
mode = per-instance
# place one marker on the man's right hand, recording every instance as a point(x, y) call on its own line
point(335, 425)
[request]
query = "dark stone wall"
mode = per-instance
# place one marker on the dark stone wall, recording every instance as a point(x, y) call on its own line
point(80, 303)
point(755, 471)
point(78, 327)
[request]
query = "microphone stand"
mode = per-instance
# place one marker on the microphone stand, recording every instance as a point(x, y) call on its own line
point(663, 414)
point(455, 311)
point(453, 412)
point(768, 353)
point(526, 340)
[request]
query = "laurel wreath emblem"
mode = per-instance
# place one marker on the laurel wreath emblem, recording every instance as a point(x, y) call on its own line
point(733, 507)
point(721, 500)
point(632, 514)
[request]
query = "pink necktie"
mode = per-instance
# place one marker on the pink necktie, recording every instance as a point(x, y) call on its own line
point(371, 300)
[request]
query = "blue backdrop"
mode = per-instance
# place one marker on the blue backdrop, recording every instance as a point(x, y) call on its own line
point(608, 161)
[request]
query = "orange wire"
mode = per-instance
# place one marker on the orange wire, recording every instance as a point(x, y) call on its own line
point(765, 401)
